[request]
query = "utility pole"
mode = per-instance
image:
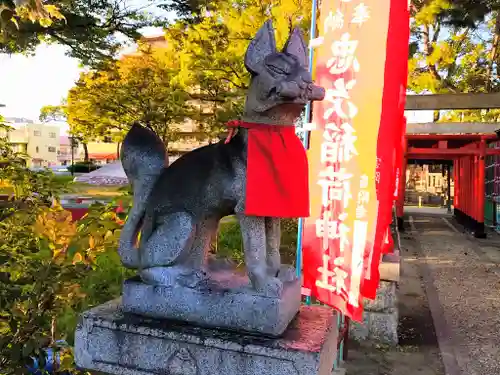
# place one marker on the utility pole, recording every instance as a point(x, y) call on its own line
point(72, 143)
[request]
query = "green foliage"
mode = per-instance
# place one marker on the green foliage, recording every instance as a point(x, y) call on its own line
point(461, 58)
point(35, 11)
point(453, 59)
point(199, 74)
point(50, 267)
point(229, 243)
point(38, 281)
point(96, 245)
point(53, 113)
point(51, 270)
point(89, 28)
point(210, 53)
point(83, 167)
point(468, 13)
point(189, 10)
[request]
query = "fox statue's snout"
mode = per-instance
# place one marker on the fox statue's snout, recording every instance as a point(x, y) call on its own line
point(300, 92)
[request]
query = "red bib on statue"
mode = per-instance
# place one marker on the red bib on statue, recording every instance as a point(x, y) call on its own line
point(277, 171)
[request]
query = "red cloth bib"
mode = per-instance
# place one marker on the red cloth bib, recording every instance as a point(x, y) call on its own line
point(277, 171)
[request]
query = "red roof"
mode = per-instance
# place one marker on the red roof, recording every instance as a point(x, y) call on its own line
point(101, 156)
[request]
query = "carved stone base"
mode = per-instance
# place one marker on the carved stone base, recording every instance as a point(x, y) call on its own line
point(110, 341)
point(227, 303)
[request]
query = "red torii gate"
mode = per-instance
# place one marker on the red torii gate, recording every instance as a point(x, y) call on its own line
point(465, 144)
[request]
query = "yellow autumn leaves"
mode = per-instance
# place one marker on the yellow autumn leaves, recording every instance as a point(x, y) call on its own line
point(31, 10)
point(81, 242)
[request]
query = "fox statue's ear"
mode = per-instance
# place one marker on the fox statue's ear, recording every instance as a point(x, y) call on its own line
point(296, 46)
point(261, 46)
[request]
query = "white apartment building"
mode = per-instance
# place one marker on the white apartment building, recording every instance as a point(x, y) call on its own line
point(39, 141)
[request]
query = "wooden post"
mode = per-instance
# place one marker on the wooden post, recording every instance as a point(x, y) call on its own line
point(456, 168)
point(480, 168)
point(402, 186)
point(448, 182)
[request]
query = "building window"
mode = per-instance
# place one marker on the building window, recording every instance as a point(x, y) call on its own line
point(37, 149)
point(37, 133)
point(52, 149)
point(52, 135)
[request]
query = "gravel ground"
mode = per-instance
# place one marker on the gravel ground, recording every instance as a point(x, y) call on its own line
point(417, 352)
point(465, 277)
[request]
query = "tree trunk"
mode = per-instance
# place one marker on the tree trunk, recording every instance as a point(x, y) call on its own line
point(118, 150)
point(85, 152)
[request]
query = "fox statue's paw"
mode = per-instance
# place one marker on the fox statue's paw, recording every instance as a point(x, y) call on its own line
point(196, 279)
point(270, 287)
point(175, 275)
point(287, 273)
point(130, 259)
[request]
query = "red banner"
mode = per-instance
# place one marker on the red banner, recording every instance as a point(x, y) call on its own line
point(339, 250)
point(389, 136)
point(398, 159)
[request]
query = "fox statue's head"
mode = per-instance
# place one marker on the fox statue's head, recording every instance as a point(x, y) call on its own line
point(281, 84)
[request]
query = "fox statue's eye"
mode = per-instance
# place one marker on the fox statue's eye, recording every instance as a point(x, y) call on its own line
point(277, 69)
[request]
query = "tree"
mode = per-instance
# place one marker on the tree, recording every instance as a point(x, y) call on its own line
point(189, 10)
point(454, 58)
point(93, 30)
point(210, 52)
point(141, 87)
point(468, 13)
point(53, 112)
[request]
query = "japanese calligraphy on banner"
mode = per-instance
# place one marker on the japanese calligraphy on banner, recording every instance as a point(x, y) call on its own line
point(340, 233)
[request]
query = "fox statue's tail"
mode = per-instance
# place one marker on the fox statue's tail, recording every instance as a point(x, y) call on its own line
point(143, 156)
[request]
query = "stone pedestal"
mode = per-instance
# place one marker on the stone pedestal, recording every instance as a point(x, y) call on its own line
point(381, 316)
point(113, 342)
point(227, 302)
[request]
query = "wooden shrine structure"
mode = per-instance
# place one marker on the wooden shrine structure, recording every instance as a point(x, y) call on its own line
point(462, 148)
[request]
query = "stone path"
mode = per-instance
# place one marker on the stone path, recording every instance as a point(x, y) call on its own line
point(461, 277)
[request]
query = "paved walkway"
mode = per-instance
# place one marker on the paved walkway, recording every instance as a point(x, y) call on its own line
point(415, 210)
point(461, 277)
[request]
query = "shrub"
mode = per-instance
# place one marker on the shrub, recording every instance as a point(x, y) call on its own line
point(37, 282)
point(229, 243)
point(51, 270)
point(83, 167)
point(50, 267)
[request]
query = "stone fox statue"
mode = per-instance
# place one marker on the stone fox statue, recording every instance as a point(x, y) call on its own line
point(177, 208)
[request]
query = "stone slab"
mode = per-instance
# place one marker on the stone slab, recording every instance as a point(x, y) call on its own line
point(111, 341)
point(227, 303)
point(385, 299)
point(390, 267)
point(377, 326)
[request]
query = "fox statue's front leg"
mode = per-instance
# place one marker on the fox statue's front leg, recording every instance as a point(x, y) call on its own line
point(273, 242)
point(253, 230)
